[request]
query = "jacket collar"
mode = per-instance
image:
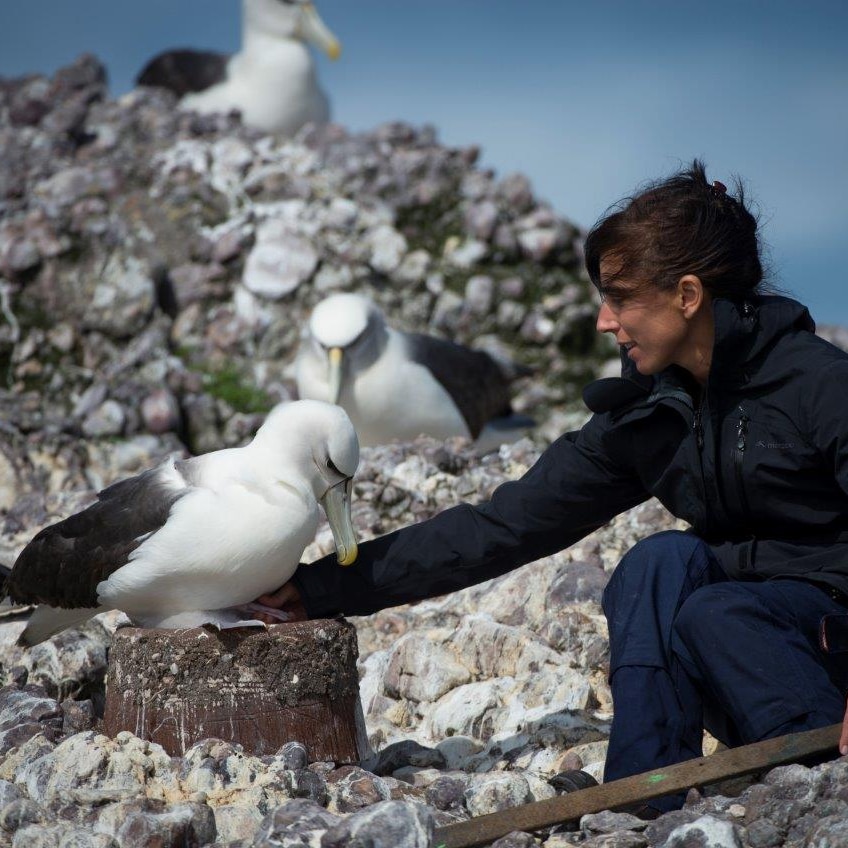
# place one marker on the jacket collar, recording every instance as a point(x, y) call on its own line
point(746, 330)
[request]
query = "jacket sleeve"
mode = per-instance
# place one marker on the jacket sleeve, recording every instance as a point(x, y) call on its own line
point(827, 414)
point(578, 484)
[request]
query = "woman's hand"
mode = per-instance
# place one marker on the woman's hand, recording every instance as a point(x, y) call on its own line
point(287, 599)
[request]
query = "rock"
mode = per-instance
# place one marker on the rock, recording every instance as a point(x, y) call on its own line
point(160, 412)
point(89, 766)
point(72, 662)
point(516, 839)
point(465, 254)
point(19, 813)
point(27, 705)
point(610, 822)
point(479, 294)
point(293, 755)
point(458, 750)
point(140, 824)
point(353, 788)
point(422, 671)
point(60, 836)
point(8, 793)
point(498, 792)
point(400, 754)
point(538, 244)
point(107, 420)
point(123, 298)
point(388, 248)
point(237, 822)
point(619, 839)
point(391, 824)
point(580, 582)
point(279, 263)
point(468, 709)
point(828, 832)
point(480, 219)
point(835, 335)
point(19, 256)
point(764, 834)
point(705, 832)
point(294, 824)
point(659, 831)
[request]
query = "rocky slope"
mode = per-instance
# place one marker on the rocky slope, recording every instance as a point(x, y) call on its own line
point(154, 270)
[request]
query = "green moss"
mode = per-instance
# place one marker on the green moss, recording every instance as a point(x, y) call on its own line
point(233, 388)
point(427, 226)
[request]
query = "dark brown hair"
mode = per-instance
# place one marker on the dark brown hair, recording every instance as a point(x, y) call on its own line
point(680, 225)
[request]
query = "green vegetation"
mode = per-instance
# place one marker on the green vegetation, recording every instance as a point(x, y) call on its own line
point(233, 388)
point(429, 225)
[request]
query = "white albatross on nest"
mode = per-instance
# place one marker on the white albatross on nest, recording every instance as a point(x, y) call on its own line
point(271, 80)
point(182, 544)
point(396, 385)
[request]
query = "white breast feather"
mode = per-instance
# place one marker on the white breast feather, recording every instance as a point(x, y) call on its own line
point(217, 549)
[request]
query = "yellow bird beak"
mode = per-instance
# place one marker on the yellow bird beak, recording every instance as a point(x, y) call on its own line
point(315, 31)
point(335, 356)
point(336, 503)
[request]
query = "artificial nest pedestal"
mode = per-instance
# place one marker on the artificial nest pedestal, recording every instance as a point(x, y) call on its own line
point(256, 687)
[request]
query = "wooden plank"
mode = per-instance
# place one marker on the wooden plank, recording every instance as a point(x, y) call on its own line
point(256, 687)
point(642, 787)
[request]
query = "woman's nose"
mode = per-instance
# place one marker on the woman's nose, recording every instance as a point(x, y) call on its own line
point(606, 322)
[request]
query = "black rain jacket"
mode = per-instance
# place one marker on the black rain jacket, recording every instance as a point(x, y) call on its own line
point(757, 462)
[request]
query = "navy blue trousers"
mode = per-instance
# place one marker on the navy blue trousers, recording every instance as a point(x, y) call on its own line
point(690, 649)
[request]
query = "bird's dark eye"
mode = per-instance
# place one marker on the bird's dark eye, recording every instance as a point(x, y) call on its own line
point(332, 466)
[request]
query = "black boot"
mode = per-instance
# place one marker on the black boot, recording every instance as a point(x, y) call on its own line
point(572, 781)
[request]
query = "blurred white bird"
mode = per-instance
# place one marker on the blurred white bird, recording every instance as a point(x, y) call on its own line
point(181, 544)
point(397, 385)
point(271, 81)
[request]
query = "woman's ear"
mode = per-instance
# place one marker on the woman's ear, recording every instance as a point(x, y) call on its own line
point(691, 295)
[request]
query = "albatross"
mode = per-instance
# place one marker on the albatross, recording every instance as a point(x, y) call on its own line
point(398, 385)
point(189, 541)
point(271, 80)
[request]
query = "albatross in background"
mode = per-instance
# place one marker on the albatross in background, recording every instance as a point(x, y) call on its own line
point(271, 81)
point(184, 543)
point(397, 385)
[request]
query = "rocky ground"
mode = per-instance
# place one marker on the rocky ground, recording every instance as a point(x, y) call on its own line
point(154, 270)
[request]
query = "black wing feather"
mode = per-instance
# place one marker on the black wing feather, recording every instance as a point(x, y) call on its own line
point(475, 381)
point(184, 71)
point(63, 563)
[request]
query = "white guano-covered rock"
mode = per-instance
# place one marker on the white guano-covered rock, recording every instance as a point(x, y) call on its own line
point(422, 671)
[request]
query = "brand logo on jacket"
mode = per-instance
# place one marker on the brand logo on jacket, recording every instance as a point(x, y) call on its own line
point(775, 445)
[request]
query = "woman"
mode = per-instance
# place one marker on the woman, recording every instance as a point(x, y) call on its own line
point(734, 415)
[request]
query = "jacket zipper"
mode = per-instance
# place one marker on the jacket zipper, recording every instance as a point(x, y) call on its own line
point(698, 432)
point(739, 458)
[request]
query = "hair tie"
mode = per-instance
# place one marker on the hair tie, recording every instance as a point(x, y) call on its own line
point(719, 188)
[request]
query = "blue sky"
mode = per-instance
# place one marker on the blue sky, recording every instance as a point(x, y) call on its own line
point(588, 99)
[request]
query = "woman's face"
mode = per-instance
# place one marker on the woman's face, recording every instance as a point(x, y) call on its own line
point(649, 324)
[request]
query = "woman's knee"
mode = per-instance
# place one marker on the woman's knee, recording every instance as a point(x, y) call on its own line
point(706, 615)
point(661, 558)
